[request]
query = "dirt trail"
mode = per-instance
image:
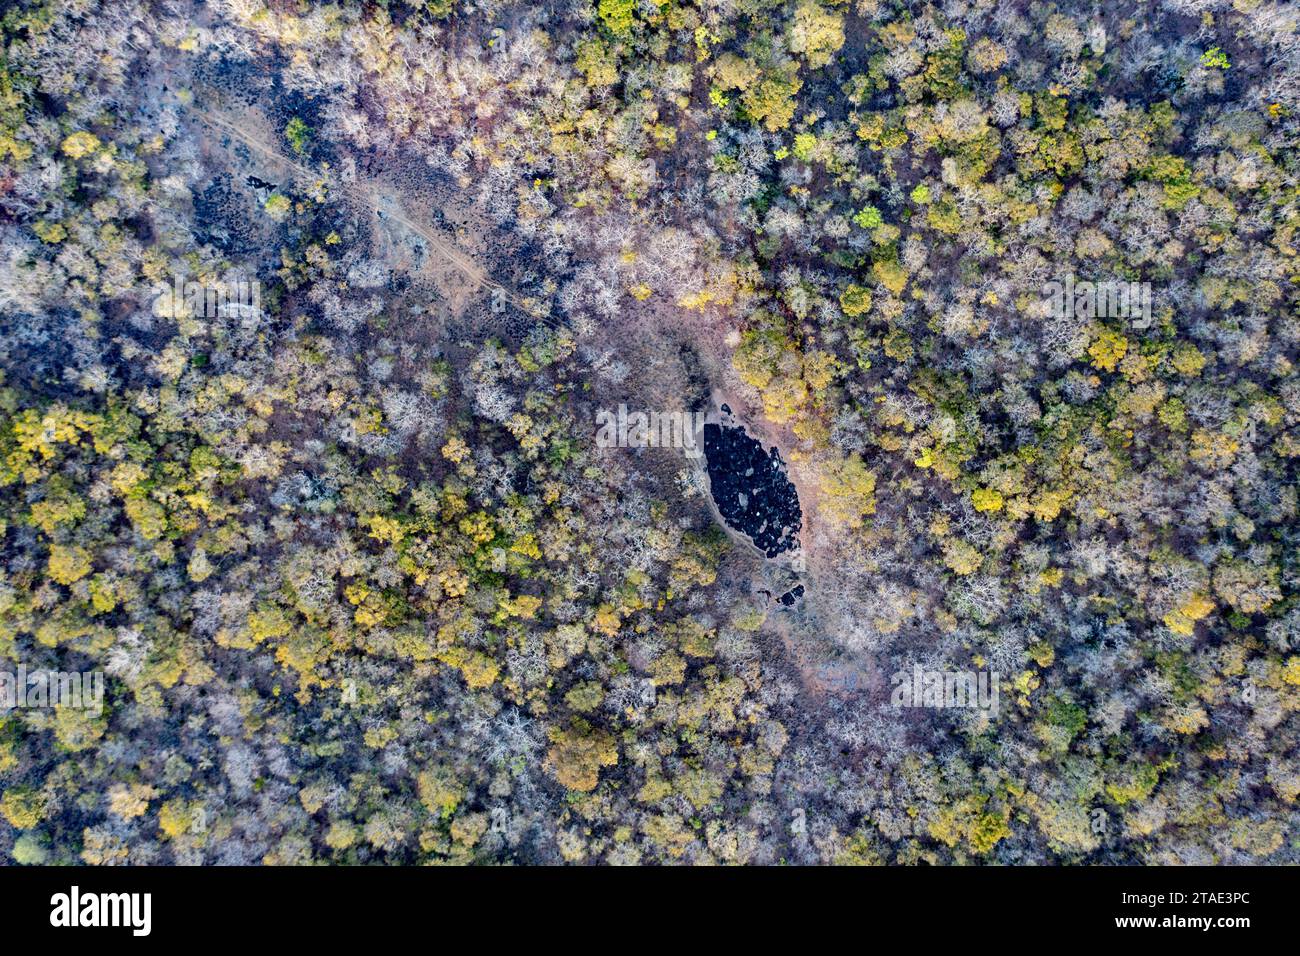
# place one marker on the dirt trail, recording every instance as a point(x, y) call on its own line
point(370, 195)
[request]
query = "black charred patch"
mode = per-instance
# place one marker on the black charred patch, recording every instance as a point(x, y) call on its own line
point(222, 218)
point(751, 489)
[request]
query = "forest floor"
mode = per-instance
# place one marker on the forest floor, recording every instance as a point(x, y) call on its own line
point(457, 274)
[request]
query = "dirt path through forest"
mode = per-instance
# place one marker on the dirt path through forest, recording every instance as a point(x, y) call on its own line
point(384, 202)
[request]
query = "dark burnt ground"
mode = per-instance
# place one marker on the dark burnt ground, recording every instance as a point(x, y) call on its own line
point(751, 489)
point(789, 597)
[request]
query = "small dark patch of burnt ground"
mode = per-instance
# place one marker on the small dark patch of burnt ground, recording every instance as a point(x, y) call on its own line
point(751, 489)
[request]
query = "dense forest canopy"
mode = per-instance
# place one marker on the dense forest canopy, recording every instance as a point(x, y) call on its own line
point(307, 316)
